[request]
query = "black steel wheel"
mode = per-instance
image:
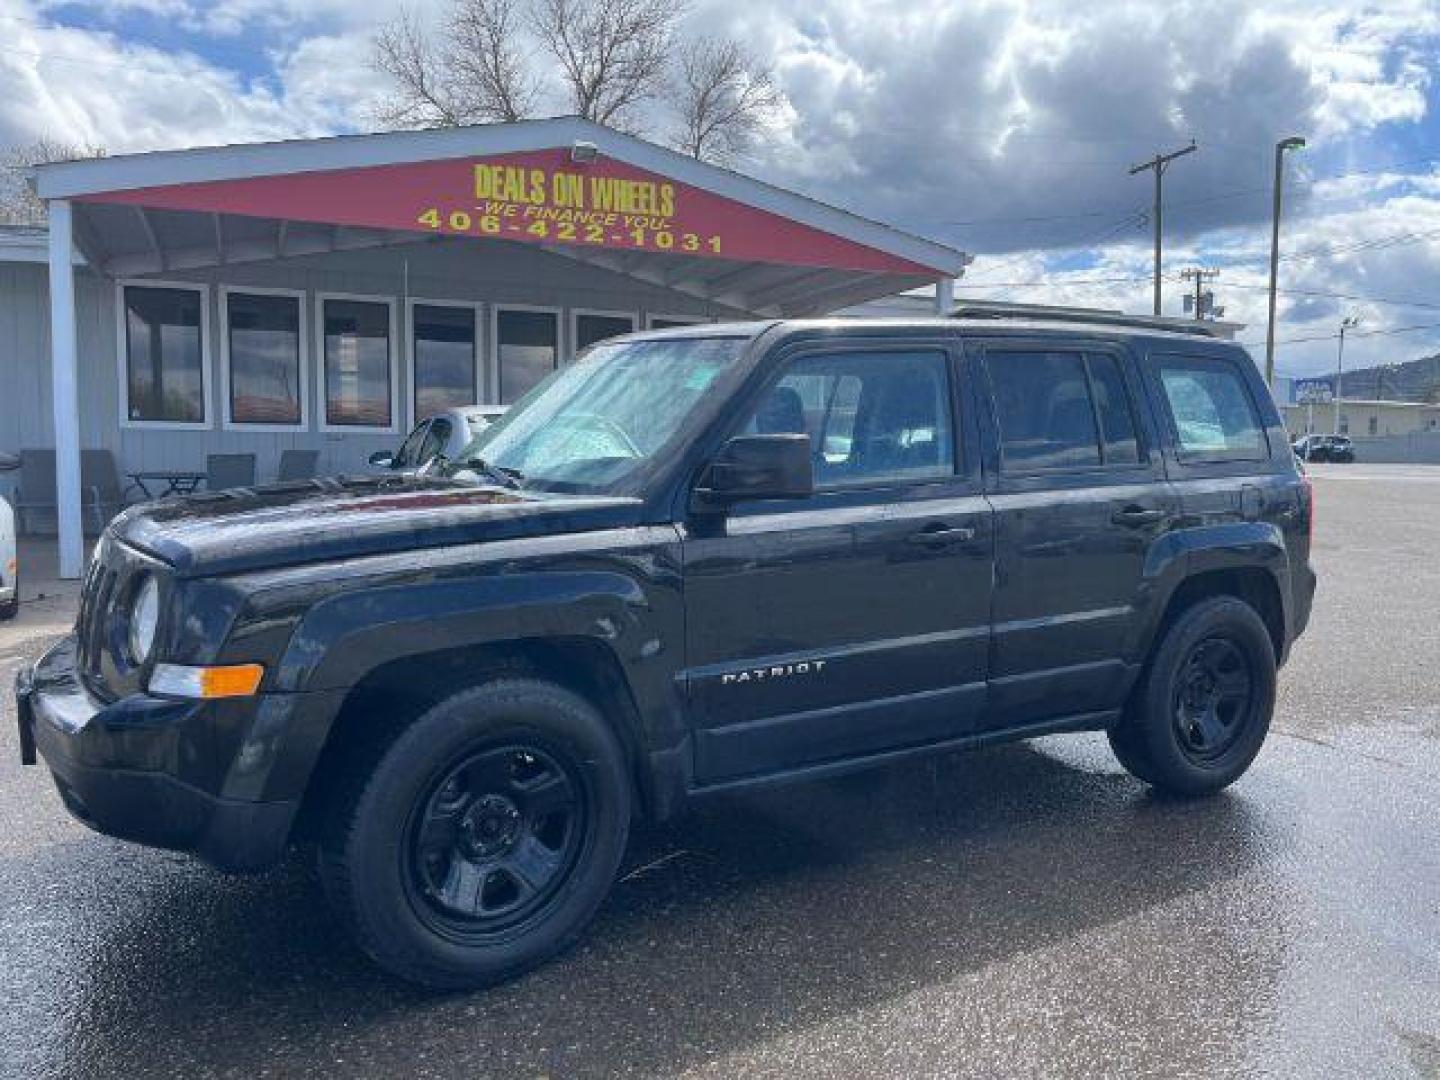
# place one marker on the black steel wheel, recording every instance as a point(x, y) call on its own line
point(1214, 696)
point(479, 839)
point(494, 838)
point(1201, 710)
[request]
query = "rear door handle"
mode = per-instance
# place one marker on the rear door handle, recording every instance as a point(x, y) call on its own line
point(1135, 517)
point(941, 535)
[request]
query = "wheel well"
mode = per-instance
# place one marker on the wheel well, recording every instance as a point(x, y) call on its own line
point(1253, 585)
point(397, 692)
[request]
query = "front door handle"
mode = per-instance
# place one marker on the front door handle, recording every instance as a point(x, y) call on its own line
point(1136, 517)
point(941, 535)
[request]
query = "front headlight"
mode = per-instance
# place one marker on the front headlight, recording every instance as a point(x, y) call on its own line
point(144, 616)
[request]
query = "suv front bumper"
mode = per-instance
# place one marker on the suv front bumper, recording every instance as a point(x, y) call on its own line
point(118, 768)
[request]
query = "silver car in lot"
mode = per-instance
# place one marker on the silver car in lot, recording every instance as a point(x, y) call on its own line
point(443, 435)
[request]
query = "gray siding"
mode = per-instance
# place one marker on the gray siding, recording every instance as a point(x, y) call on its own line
point(485, 274)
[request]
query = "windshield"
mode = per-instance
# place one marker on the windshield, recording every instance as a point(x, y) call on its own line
point(597, 425)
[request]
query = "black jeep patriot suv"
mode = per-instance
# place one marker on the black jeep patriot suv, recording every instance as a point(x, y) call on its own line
point(691, 561)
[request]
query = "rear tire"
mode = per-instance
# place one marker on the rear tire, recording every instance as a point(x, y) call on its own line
point(1202, 709)
point(479, 840)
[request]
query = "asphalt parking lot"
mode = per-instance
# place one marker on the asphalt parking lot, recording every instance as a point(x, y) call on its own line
point(1023, 911)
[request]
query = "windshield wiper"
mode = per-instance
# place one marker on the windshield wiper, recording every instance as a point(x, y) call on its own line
point(505, 477)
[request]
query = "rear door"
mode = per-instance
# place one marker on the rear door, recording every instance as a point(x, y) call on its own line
point(1079, 491)
point(856, 620)
point(1228, 457)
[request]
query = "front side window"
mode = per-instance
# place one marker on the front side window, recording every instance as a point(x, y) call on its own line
point(1213, 412)
point(408, 456)
point(872, 417)
point(264, 358)
point(164, 355)
point(527, 346)
point(600, 424)
point(445, 356)
point(357, 363)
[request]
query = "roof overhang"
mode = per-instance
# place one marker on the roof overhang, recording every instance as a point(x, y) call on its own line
point(576, 189)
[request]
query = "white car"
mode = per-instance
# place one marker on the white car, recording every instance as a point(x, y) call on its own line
point(446, 433)
point(9, 567)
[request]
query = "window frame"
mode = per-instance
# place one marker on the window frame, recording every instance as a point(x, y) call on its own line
point(1190, 459)
point(122, 356)
point(576, 313)
point(1084, 350)
point(477, 312)
point(322, 423)
point(227, 421)
point(494, 366)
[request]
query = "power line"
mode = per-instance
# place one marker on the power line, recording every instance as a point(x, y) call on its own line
point(1384, 301)
point(1353, 334)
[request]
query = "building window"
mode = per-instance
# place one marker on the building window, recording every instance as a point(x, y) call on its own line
point(164, 343)
point(593, 326)
point(444, 355)
point(263, 365)
point(527, 346)
point(657, 323)
point(358, 367)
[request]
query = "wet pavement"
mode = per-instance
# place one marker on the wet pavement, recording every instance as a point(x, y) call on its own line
point(1028, 910)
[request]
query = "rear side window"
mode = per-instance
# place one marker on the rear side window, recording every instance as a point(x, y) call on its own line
point(1214, 415)
point(1061, 410)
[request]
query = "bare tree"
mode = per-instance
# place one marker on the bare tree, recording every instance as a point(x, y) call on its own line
point(610, 57)
point(488, 61)
point(724, 98)
point(477, 75)
point(613, 54)
point(18, 203)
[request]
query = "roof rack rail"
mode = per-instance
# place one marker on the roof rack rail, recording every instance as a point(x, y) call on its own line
point(1095, 318)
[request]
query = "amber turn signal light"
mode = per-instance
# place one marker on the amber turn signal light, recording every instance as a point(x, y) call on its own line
point(234, 680)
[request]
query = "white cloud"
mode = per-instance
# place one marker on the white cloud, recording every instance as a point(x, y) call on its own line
point(927, 114)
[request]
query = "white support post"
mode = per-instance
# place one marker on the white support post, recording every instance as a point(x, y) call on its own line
point(944, 297)
point(65, 391)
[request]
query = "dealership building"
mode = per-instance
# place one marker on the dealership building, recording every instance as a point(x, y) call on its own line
point(324, 294)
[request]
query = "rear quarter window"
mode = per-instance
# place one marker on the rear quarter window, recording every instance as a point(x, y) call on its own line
point(1212, 411)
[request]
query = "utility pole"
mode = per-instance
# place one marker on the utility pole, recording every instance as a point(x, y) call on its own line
point(1159, 163)
point(1200, 275)
point(1347, 323)
point(1294, 142)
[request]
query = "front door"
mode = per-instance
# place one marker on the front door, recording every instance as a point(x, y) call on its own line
point(1080, 498)
point(856, 620)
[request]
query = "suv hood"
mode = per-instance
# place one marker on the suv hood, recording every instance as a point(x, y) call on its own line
point(346, 517)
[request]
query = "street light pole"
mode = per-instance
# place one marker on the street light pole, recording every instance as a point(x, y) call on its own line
point(1345, 324)
point(1159, 163)
point(1294, 142)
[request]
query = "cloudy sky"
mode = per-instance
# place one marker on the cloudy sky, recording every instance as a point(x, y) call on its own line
point(1005, 127)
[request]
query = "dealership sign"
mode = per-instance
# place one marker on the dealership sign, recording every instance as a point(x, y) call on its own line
point(1314, 392)
point(537, 197)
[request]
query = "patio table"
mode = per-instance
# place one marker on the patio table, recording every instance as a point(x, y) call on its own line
point(176, 481)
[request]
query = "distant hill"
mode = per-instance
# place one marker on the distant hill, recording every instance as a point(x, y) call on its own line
point(1411, 380)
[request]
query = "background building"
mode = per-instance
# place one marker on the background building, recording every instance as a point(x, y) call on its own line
point(324, 294)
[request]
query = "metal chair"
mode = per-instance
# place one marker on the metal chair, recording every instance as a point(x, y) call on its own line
point(298, 465)
point(229, 471)
point(101, 493)
point(100, 486)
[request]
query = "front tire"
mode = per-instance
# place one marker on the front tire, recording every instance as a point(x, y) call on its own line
point(482, 837)
point(1202, 709)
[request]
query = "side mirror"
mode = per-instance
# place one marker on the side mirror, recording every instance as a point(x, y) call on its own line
point(758, 467)
point(382, 459)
